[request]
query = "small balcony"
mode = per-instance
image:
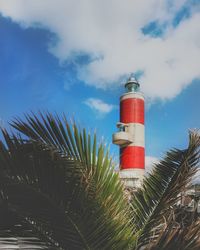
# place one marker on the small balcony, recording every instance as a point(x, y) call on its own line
point(122, 137)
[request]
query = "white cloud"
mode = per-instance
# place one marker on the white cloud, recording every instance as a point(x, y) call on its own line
point(99, 106)
point(110, 32)
point(149, 161)
point(196, 178)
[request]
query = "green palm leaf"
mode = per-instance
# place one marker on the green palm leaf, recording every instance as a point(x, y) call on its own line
point(81, 201)
point(178, 237)
point(15, 233)
point(160, 192)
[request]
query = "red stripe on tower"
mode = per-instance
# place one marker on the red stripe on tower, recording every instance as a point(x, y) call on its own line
point(130, 137)
point(132, 110)
point(132, 157)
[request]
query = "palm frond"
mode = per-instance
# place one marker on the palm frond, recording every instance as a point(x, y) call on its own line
point(16, 233)
point(56, 180)
point(177, 236)
point(153, 203)
point(34, 187)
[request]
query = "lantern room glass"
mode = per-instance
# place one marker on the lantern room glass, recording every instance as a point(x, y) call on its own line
point(132, 85)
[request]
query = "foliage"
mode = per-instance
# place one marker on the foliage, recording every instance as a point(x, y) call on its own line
point(59, 190)
point(154, 204)
point(61, 182)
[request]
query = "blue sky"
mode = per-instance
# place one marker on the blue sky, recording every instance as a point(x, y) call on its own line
point(51, 59)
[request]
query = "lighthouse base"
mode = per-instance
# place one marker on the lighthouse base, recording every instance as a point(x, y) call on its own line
point(132, 178)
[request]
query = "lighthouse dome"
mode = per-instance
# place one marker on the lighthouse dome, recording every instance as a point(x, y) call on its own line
point(132, 84)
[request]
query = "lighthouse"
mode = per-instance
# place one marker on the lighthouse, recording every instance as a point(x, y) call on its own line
point(130, 137)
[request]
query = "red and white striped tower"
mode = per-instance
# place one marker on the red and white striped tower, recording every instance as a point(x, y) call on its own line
point(130, 137)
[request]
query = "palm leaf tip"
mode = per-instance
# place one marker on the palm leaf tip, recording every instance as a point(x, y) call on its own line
point(73, 174)
point(162, 188)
